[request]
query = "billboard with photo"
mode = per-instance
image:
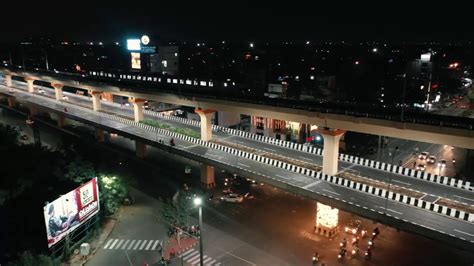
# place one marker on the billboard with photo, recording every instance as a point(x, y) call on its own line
point(66, 213)
point(136, 61)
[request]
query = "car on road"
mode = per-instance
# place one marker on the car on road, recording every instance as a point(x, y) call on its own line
point(65, 98)
point(423, 155)
point(421, 167)
point(442, 163)
point(431, 159)
point(232, 198)
point(41, 91)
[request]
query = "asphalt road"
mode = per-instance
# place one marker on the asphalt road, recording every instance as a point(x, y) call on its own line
point(424, 218)
point(405, 150)
point(275, 228)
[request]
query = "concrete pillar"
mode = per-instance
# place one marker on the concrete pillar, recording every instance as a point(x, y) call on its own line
point(8, 80)
point(253, 125)
point(29, 82)
point(61, 120)
point(34, 110)
point(206, 126)
point(331, 149)
point(207, 176)
point(137, 108)
point(58, 90)
point(11, 102)
point(228, 119)
point(96, 105)
point(140, 149)
point(99, 134)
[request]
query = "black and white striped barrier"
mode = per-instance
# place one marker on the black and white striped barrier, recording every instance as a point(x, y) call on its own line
point(448, 181)
point(469, 217)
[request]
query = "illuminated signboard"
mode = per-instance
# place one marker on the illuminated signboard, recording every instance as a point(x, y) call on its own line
point(134, 45)
point(136, 61)
point(145, 39)
point(69, 211)
point(326, 216)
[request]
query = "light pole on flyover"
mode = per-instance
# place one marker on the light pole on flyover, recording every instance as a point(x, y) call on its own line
point(392, 155)
point(198, 203)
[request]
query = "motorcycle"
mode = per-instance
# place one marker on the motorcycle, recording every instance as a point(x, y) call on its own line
point(371, 243)
point(363, 233)
point(341, 254)
point(355, 251)
point(368, 254)
point(343, 244)
point(375, 233)
point(315, 258)
point(355, 241)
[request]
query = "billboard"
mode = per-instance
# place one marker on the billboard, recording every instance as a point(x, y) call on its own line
point(66, 213)
point(136, 61)
point(134, 44)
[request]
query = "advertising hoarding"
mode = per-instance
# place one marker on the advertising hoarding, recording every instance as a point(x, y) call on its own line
point(69, 211)
point(136, 61)
point(134, 44)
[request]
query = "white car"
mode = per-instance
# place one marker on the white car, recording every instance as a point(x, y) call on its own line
point(65, 98)
point(41, 91)
point(232, 198)
point(421, 167)
point(423, 155)
point(431, 159)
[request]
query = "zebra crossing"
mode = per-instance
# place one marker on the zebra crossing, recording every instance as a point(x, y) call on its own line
point(192, 257)
point(133, 244)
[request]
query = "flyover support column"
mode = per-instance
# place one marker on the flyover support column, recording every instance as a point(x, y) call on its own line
point(207, 176)
point(96, 106)
point(99, 134)
point(331, 149)
point(140, 149)
point(206, 125)
point(11, 102)
point(8, 80)
point(58, 91)
point(29, 82)
point(268, 129)
point(137, 108)
point(61, 120)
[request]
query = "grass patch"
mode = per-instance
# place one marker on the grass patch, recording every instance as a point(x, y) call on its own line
point(182, 131)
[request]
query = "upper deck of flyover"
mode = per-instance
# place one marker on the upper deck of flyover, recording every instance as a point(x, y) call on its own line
point(447, 130)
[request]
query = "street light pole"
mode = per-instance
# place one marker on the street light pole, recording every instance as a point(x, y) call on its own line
point(198, 202)
point(392, 155)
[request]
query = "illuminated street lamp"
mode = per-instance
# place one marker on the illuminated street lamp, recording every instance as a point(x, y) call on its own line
point(198, 203)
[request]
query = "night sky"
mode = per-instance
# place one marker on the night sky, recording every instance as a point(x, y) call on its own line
point(238, 20)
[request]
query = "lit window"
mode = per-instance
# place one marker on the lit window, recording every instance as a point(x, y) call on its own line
point(168, 80)
point(175, 81)
point(175, 54)
point(203, 83)
point(189, 82)
point(164, 63)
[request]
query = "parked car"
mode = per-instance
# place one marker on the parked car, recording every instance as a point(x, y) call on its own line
point(423, 155)
point(232, 198)
point(421, 167)
point(431, 159)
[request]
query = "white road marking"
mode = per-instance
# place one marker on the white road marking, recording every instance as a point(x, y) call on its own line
point(149, 244)
point(156, 244)
point(268, 149)
point(198, 259)
point(405, 183)
point(305, 158)
point(125, 244)
point(462, 232)
point(136, 245)
point(108, 243)
point(119, 244)
point(463, 197)
point(335, 193)
point(185, 253)
point(131, 244)
point(113, 244)
point(210, 263)
point(397, 212)
point(311, 184)
point(192, 254)
point(143, 244)
point(244, 165)
point(284, 177)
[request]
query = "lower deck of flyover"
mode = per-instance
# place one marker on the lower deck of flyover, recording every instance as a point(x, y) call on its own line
point(397, 214)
